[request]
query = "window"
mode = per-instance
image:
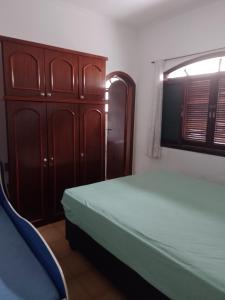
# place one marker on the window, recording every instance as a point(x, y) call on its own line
point(194, 107)
point(206, 66)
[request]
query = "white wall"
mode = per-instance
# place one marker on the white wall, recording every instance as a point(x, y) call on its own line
point(60, 23)
point(196, 31)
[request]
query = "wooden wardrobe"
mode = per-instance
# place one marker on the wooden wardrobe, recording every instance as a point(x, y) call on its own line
point(53, 107)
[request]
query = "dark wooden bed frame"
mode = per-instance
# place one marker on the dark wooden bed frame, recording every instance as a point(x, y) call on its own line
point(127, 280)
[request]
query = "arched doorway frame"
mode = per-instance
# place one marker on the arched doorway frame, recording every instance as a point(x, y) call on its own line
point(130, 109)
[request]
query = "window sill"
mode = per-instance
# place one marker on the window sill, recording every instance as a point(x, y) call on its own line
point(194, 148)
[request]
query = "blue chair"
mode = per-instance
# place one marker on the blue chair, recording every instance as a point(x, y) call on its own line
point(33, 243)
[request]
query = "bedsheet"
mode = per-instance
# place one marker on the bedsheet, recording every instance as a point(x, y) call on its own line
point(168, 227)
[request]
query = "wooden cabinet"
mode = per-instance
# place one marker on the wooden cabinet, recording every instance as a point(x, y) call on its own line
point(52, 147)
point(42, 166)
point(33, 71)
point(92, 78)
point(61, 71)
point(27, 142)
point(55, 124)
point(63, 145)
point(92, 143)
point(24, 70)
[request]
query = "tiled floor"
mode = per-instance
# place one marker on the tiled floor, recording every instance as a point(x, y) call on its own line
point(84, 281)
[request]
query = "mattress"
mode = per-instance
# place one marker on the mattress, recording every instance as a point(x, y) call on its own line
point(169, 228)
point(22, 277)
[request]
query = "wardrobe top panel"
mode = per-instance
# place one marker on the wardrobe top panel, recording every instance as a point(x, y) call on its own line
point(14, 40)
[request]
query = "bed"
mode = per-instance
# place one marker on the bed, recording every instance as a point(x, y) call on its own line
point(167, 227)
point(28, 268)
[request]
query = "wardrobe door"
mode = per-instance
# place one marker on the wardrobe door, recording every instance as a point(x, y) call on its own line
point(24, 70)
point(27, 141)
point(63, 142)
point(92, 78)
point(61, 74)
point(92, 143)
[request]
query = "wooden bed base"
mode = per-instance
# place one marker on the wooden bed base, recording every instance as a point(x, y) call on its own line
point(127, 280)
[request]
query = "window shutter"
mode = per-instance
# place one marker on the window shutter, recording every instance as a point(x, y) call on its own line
point(196, 108)
point(173, 96)
point(219, 134)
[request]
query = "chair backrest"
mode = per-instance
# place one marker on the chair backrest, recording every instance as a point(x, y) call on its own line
point(2, 176)
point(34, 240)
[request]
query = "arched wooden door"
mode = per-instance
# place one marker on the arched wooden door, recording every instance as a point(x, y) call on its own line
point(120, 124)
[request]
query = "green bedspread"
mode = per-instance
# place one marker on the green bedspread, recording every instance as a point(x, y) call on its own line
point(169, 228)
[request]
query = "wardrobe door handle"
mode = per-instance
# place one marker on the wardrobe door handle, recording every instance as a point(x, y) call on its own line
point(42, 94)
point(82, 97)
point(45, 161)
point(51, 161)
point(82, 154)
point(49, 94)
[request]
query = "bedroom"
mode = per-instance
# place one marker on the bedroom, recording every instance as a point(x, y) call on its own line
point(131, 35)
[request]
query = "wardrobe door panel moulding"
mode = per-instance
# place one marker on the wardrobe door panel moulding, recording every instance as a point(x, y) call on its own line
point(92, 134)
point(63, 143)
point(55, 139)
point(61, 70)
point(24, 70)
point(92, 78)
point(27, 140)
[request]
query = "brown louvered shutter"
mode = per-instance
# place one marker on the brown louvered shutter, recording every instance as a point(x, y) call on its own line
point(219, 133)
point(196, 108)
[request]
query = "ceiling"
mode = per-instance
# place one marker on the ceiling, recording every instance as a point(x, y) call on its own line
point(139, 12)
